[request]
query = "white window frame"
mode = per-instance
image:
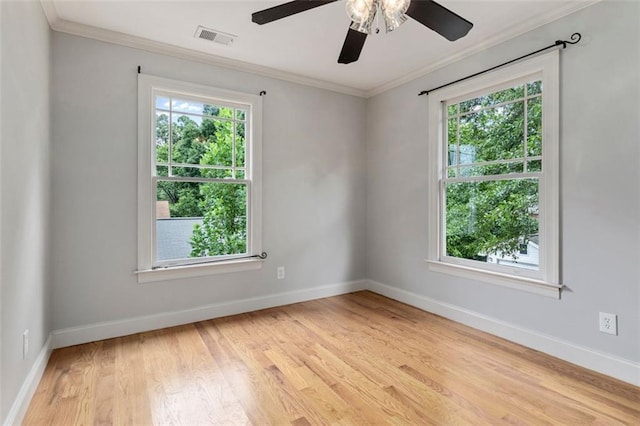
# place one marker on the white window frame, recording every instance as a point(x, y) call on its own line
point(148, 270)
point(545, 281)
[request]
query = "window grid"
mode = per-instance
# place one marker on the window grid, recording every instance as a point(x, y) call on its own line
point(170, 164)
point(458, 167)
point(525, 159)
point(470, 248)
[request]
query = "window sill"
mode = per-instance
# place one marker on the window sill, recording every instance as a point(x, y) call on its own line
point(199, 270)
point(520, 283)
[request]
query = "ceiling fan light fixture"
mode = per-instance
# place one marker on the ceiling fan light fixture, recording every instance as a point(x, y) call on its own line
point(395, 6)
point(393, 20)
point(364, 26)
point(360, 10)
point(362, 13)
point(394, 13)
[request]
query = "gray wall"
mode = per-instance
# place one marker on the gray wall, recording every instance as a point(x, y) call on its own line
point(600, 163)
point(24, 191)
point(313, 186)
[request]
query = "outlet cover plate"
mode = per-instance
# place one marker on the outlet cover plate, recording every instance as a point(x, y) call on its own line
point(609, 323)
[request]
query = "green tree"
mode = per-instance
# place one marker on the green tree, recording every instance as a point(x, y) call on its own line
point(224, 227)
point(221, 205)
point(486, 217)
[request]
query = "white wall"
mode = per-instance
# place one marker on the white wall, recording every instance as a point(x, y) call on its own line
point(313, 186)
point(24, 191)
point(600, 163)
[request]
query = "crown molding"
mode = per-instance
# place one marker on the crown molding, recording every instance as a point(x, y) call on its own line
point(513, 32)
point(100, 34)
point(136, 42)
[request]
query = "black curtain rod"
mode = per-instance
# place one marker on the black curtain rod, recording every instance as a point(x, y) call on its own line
point(262, 93)
point(575, 38)
point(261, 256)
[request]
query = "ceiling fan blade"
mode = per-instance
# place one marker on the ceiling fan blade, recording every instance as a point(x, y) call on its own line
point(286, 9)
point(440, 19)
point(353, 44)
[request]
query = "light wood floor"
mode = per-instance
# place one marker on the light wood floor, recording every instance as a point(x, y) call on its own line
point(353, 359)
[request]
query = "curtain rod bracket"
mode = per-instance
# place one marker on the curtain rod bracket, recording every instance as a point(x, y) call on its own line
point(575, 39)
point(263, 92)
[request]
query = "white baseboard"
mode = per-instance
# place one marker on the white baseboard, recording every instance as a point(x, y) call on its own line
point(607, 364)
point(105, 330)
point(29, 386)
point(622, 369)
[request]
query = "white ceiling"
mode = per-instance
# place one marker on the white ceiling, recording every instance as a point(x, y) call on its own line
point(303, 47)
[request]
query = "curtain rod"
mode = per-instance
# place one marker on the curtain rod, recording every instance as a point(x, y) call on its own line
point(261, 256)
point(262, 93)
point(575, 38)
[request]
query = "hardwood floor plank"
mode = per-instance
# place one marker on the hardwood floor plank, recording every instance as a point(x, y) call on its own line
point(131, 404)
point(105, 379)
point(355, 359)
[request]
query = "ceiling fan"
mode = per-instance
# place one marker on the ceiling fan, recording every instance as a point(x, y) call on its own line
point(362, 13)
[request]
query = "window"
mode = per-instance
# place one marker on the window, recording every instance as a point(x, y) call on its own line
point(199, 180)
point(494, 189)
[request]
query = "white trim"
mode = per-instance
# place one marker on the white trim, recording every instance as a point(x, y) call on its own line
point(148, 87)
point(135, 42)
point(504, 36)
point(546, 67)
point(197, 270)
point(30, 385)
point(510, 281)
point(108, 36)
point(610, 365)
point(109, 329)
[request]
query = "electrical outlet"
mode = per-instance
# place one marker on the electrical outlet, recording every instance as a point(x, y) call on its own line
point(609, 323)
point(25, 344)
point(280, 272)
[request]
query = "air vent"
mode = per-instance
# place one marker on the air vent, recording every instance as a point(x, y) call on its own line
point(214, 36)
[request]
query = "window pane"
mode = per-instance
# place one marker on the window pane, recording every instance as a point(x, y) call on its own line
point(534, 166)
point(452, 136)
point(534, 126)
point(182, 105)
point(217, 173)
point(187, 139)
point(162, 102)
point(490, 221)
point(200, 219)
point(493, 134)
point(492, 169)
point(452, 110)
point(240, 145)
point(162, 171)
point(241, 114)
point(492, 99)
point(218, 111)
point(240, 174)
point(219, 140)
point(162, 137)
point(534, 88)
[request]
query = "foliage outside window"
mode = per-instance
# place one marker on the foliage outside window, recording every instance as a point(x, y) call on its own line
point(494, 170)
point(201, 173)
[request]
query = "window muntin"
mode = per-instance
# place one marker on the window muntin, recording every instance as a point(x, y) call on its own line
point(199, 172)
point(199, 178)
point(480, 182)
point(490, 195)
